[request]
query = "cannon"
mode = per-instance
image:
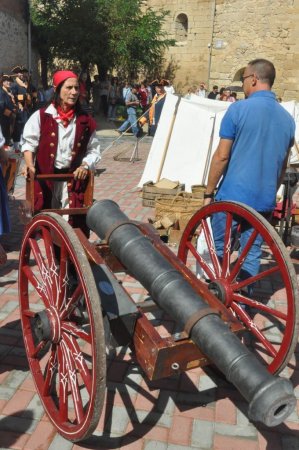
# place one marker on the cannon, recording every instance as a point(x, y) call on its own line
point(73, 307)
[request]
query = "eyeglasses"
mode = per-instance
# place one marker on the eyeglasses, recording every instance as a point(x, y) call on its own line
point(244, 78)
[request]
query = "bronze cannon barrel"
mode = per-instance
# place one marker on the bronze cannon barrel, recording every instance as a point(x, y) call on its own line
point(271, 399)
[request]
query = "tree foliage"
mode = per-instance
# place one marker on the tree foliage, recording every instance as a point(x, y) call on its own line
point(113, 34)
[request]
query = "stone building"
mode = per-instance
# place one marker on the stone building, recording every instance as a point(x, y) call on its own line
point(15, 48)
point(216, 39)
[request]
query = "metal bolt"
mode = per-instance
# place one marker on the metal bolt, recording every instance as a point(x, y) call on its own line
point(175, 366)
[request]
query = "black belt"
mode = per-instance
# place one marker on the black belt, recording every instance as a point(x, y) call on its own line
point(63, 170)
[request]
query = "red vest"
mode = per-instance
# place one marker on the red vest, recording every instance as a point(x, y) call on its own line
point(45, 158)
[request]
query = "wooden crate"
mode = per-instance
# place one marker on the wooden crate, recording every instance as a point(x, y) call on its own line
point(150, 192)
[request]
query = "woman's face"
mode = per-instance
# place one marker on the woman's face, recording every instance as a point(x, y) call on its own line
point(69, 92)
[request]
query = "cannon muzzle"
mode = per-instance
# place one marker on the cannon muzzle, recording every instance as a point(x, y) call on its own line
point(271, 399)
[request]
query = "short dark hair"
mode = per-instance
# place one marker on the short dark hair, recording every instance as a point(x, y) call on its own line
point(264, 69)
point(215, 87)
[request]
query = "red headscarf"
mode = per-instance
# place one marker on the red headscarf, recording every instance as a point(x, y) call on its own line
point(62, 75)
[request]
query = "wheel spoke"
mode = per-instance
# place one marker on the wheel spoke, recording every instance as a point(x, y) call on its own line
point(246, 319)
point(227, 246)
point(260, 306)
point(63, 384)
point(243, 283)
point(73, 381)
point(211, 247)
point(72, 329)
point(35, 351)
point(51, 370)
point(52, 266)
point(79, 361)
point(38, 286)
point(63, 277)
point(68, 308)
point(44, 271)
point(210, 274)
point(241, 259)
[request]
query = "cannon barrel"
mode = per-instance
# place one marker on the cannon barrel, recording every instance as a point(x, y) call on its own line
point(271, 399)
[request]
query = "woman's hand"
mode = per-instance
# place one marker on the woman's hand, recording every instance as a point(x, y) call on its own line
point(81, 173)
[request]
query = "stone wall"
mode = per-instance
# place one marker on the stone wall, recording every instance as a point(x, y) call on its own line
point(14, 36)
point(223, 35)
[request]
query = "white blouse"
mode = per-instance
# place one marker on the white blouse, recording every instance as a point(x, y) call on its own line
point(66, 138)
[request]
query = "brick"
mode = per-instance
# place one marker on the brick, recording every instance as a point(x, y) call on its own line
point(18, 403)
point(225, 411)
point(42, 437)
point(233, 443)
point(202, 434)
point(181, 430)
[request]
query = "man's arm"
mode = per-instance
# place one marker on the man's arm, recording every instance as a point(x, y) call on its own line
point(284, 168)
point(218, 165)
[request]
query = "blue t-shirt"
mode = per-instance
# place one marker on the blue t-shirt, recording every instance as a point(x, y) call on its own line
point(262, 131)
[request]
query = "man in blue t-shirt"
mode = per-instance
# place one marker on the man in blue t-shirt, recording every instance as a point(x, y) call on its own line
point(256, 135)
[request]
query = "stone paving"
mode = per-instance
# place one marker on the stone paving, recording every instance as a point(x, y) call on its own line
point(196, 410)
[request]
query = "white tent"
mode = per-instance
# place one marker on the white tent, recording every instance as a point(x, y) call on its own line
point(186, 138)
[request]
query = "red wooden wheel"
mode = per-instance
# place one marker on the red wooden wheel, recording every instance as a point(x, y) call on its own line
point(271, 320)
point(62, 325)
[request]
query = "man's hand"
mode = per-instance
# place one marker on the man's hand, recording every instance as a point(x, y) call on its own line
point(80, 173)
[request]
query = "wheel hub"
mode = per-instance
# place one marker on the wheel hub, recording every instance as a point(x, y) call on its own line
point(217, 288)
point(47, 325)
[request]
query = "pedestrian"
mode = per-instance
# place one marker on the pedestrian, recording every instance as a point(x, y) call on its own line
point(131, 101)
point(7, 109)
point(20, 90)
point(202, 90)
point(169, 89)
point(4, 211)
point(152, 115)
point(256, 135)
point(214, 92)
point(61, 138)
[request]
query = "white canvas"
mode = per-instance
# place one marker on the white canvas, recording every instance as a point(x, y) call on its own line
point(160, 142)
point(189, 144)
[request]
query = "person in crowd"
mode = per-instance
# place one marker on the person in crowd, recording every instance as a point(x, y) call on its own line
point(95, 90)
point(104, 91)
point(125, 90)
point(113, 96)
point(202, 90)
point(31, 91)
point(226, 96)
point(251, 158)
point(131, 101)
point(149, 92)
point(190, 91)
point(143, 95)
point(83, 93)
point(4, 211)
point(234, 95)
point(152, 115)
point(169, 89)
point(61, 138)
point(20, 91)
point(7, 109)
point(214, 92)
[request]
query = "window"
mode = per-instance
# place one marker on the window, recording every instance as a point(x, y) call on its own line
point(181, 27)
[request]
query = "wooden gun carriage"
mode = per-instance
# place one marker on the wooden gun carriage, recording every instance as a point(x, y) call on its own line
point(73, 307)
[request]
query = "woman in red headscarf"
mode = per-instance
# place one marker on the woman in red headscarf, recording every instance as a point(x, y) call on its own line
point(61, 138)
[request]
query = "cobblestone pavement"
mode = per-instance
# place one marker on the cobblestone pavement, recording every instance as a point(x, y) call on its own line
point(196, 410)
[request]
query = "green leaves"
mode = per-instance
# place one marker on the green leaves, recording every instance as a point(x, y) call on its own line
point(114, 34)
